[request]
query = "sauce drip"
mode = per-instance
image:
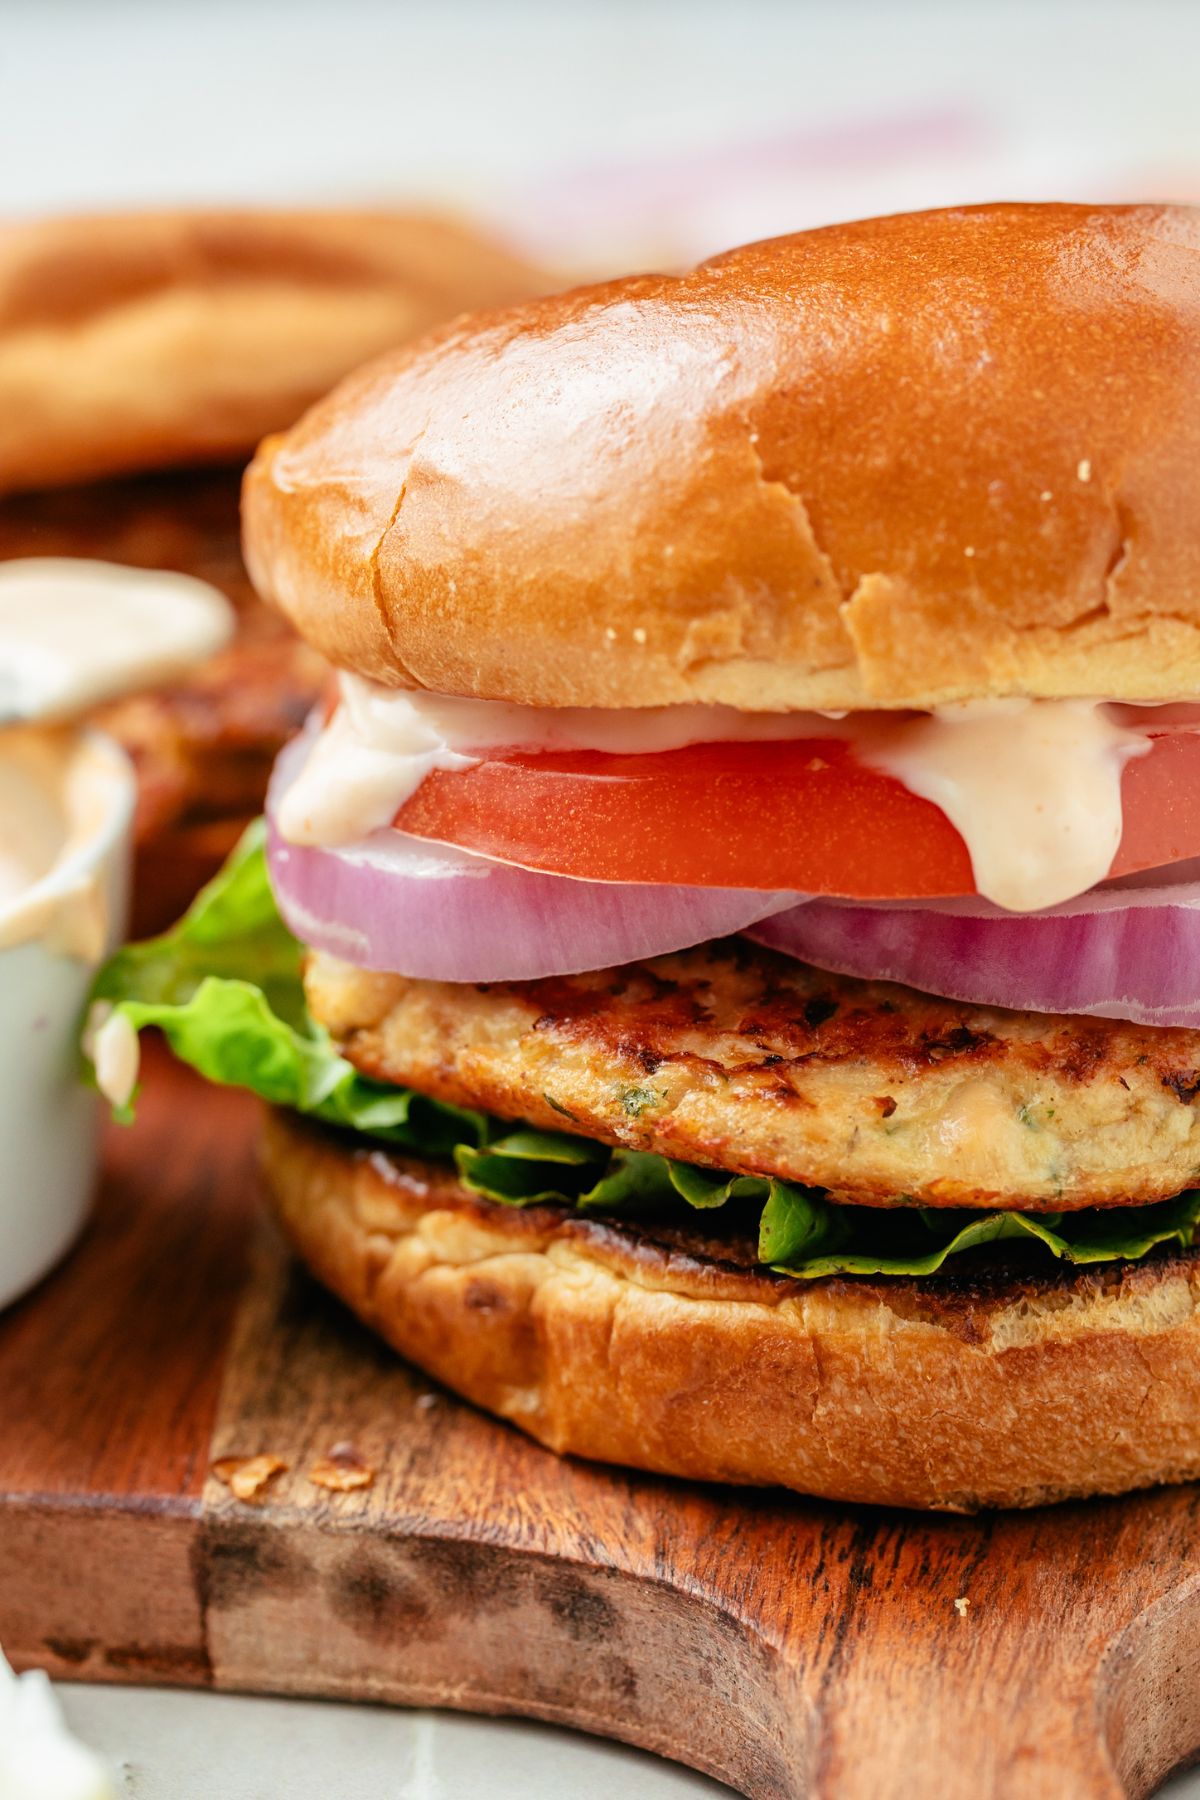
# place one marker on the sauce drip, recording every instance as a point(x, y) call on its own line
point(1032, 786)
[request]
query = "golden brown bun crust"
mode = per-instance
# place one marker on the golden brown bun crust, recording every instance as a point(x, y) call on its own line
point(135, 341)
point(884, 464)
point(655, 1348)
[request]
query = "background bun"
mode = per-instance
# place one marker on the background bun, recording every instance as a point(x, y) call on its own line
point(667, 1350)
point(140, 340)
point(884, 464)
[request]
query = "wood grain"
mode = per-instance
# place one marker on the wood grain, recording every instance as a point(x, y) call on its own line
point(787, 1648)
point(111, 1371)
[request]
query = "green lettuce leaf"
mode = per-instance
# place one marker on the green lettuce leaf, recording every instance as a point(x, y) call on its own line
point(224, 987)
point(800, 1232)
point(914, 1241)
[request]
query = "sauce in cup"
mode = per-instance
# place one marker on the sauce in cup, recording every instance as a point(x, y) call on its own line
point(71, 633)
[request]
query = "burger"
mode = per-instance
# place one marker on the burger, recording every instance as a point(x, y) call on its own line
point(725, 958)
point(154, 340)
point(142, 356)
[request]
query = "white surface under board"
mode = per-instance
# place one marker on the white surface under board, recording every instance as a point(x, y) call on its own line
point(167, 1745)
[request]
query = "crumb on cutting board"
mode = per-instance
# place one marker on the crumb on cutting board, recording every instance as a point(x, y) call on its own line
point(246, 1477)
point(341, 1470)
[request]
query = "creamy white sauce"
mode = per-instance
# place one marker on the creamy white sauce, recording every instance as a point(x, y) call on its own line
point(112, 1044)
point(39, 1758)
point(369, 751)
point(380, 744)
point(114, 1050)
point(33, 827)
point(1032, 786)
point(74, 632)
point(58, 791)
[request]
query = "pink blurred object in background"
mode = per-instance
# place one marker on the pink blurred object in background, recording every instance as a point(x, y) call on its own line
point(683, 205)
point(673, 209)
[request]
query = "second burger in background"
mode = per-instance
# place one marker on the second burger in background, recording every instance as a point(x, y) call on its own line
point(142, 357)
point(713, 650)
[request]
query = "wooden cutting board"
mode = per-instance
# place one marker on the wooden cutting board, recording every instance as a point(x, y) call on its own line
point(788, 1648)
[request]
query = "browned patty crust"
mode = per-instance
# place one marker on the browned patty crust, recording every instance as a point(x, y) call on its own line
point(659, 1347)
point(734, 1057)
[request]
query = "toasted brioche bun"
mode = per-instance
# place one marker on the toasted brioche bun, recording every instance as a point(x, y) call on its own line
point(140, 340)
point(885, 464)
point(665, 1348)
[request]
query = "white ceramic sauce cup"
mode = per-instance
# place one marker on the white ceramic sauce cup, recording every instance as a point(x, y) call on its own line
point(67, 802)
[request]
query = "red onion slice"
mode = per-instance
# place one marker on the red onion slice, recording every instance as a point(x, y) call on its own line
point(402, 904)
point(1125, 951)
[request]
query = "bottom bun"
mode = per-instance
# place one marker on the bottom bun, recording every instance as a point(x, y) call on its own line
point(664, 1347)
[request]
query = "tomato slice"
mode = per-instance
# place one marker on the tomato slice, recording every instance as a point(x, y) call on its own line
point(802, 814)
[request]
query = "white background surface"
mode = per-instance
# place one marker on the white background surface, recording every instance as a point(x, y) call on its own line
point(600, 135)
point(177, 1746)
point(784, 114)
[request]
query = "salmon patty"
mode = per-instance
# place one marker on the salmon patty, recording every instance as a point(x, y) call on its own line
point(736, 1058)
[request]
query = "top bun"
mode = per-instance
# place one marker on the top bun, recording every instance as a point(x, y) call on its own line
point(887, 464)
point(140, 340)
